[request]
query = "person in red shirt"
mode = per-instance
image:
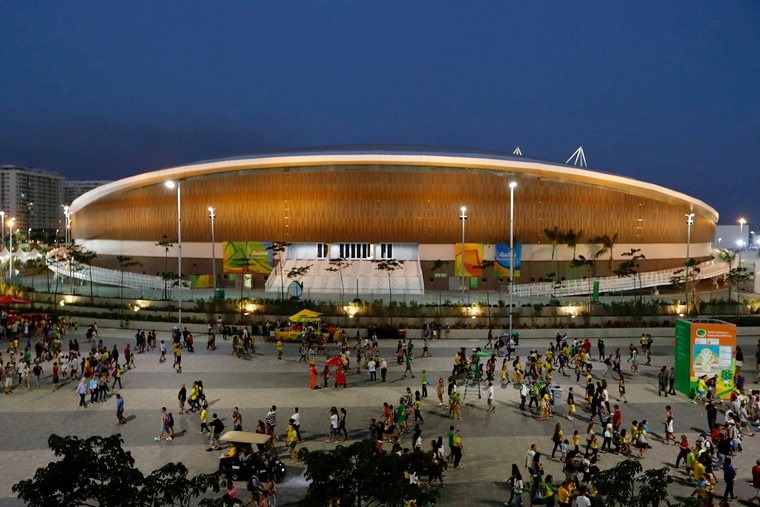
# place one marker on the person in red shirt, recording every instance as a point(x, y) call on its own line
point(683, 450)
point(617, 418)
point(755, 482)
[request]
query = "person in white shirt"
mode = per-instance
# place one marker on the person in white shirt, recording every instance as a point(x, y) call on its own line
point(372, 369)
point(296, 418)
point(490, 396)
point(582, 500)
point(529, 457)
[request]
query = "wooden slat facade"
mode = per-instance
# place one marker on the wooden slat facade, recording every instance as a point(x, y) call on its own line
point(352, 203)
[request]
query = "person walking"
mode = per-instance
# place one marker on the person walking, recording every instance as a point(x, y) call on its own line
point(557, 437)
point(313, 376)
point(342, 424)
point(570, 404)
point(729, 477)
point(524, 391)
point(669, 426)
point(237, 420)
point(621, 389)
point(517, 486)
point(662, 381)
point(82, 392)
point(672, 380)
point(383, 369)
point(755, 479)
point(333, 434)
point(116, 374)
point(181, 398)
point(458, 450)
point(440, 390)
point(217, 426)
point(271, 420)
point(165, 431)
point(408, 361)
point(292, 440)
point(489, 397)
point(120, 409)
point(296, 418)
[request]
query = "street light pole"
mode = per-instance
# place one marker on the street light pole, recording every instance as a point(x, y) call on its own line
point(10, 248)
point(689, 222)
point(512, 186)
point(172, 184)
point(740, 244)
point(463, 218)
point(67, 214)
point(212, 216)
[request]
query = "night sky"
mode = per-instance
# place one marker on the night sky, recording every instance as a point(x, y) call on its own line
point(663, 92)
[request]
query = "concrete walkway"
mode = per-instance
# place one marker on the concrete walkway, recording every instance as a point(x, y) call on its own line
point(492, 442)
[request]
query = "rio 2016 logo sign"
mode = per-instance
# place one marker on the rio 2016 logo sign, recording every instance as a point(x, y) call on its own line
point(701, 333)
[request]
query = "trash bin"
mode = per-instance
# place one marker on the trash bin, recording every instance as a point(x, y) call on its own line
point(556, 394)
point(516, 338)
point(219, 293)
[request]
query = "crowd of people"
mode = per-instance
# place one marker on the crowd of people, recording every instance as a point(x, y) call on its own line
point(96, 373)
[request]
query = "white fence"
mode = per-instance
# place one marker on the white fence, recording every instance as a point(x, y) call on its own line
point(707, 269)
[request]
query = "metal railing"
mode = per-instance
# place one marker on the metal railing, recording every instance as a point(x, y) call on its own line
point(708, 269)
point(106, 276)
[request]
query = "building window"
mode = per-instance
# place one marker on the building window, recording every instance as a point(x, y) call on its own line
point(386, 251)
point(322, 251)
point(354, 251)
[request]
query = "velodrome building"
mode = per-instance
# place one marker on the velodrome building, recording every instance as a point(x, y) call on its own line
point(364, 206)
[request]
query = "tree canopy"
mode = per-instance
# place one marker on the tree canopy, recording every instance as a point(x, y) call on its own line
point(97, 471)
point(359, 472)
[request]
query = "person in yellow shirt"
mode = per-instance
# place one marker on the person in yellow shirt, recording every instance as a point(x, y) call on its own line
point(701, 394)
point(577, 440)
point(563, 494)
point(279, 348)
point(204, 420)
point(292, 439)
point(699, 470)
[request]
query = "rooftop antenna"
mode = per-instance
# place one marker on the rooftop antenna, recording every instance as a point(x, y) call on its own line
point(517, 152)
point(578, 158)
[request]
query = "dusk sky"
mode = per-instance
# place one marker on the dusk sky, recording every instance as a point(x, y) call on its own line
point(665, 92)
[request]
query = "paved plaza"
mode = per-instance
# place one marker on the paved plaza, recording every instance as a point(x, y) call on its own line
point(492, 442)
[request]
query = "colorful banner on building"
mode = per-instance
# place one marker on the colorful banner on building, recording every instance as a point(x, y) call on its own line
point(501, 260)
point(247, 257)
point(473, 259)
point(705, 350)
point(201, 281)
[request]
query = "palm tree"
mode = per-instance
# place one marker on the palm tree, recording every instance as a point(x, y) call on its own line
point(727, 256)
point(297, 273)
point(278, 248)
point(82, 255)
point(389, 266)
point(484, 265)
point(572, 238)
point(608, 243)
point(337, 266)
point(630, 267)
point(555, 237)
point(166, 243)
point(125, 262)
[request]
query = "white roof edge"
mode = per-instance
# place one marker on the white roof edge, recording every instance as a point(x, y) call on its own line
point(528, 167)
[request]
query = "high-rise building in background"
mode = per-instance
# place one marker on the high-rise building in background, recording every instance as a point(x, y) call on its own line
point(75, 188)
point(34, 197)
